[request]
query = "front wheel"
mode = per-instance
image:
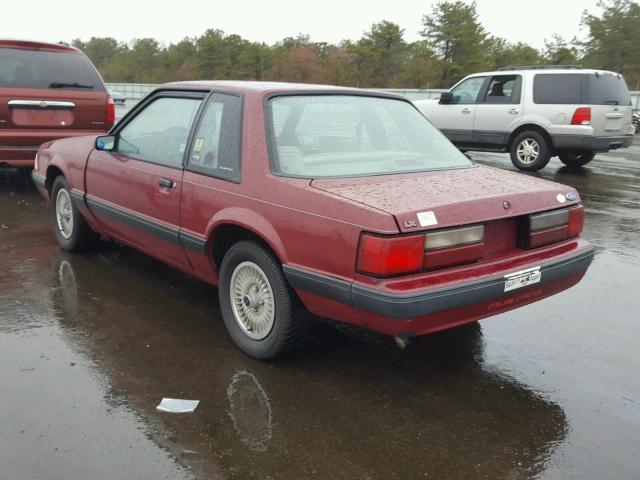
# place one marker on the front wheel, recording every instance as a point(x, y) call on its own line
point(261, 312)
point(71, 229)
point(576, 159)
point(530, 151)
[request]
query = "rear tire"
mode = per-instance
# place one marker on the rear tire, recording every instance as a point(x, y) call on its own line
point(70, 228)
point(576, 159)
point(262, 314)
point(530, 151)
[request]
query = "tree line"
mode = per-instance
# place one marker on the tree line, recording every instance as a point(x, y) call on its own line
point(453, 43)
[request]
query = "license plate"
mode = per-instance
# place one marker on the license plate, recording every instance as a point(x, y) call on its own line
point(522, 279)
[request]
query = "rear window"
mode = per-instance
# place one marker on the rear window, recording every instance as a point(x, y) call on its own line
point(21, 68)
point(320, 136)
point(590, 89)
point(607, 89)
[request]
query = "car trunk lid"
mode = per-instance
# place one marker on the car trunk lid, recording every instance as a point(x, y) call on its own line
point(437, 199)
point(51, 109)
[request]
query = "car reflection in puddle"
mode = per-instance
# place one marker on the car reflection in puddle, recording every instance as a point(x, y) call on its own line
point(250, 410)
point(351, 397)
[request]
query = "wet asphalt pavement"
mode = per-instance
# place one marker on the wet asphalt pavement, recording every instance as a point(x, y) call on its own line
point(89, 345)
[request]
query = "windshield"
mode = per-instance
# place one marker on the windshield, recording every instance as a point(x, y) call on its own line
point(320, 136)
point(20, 68)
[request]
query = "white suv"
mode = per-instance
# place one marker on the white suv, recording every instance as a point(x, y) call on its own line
point(535, 113)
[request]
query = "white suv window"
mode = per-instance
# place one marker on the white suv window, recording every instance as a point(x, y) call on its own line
point(467, 91)
point(503, 89)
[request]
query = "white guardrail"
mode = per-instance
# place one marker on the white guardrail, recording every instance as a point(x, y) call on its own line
point(136, 91)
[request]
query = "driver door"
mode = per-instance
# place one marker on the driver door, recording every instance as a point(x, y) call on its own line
point(134, 190)
point(456, 118)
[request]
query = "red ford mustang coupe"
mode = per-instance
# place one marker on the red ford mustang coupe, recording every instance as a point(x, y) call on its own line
point(344, 203)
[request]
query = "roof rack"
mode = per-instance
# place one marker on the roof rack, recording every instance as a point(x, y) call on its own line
point(542, 67)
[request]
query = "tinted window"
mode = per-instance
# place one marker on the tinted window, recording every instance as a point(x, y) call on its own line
point(39, 69)
point(217, 143)
point(607, 89)
point(583, 88)
point(467, 91)
point(557, 88)
point(159, 132)
point(317, 136)
point(503, 89)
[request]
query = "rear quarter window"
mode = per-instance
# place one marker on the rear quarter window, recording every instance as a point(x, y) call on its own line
point(22, 68)
point(557, 88)
point(581, 88)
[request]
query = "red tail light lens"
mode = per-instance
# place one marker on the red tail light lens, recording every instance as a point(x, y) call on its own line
point(385, 256)
point(554, 226)
point(576, 221)
point(111, 112)
point(582, 116)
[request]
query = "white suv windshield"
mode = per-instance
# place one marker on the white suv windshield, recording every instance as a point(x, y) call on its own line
point(318, 136)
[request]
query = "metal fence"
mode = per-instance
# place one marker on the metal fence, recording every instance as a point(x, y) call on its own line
point(136, 91)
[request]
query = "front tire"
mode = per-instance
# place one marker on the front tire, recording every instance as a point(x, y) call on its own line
point(530, 151)
point(261, 312)
point(576, 159)
point(70, 228)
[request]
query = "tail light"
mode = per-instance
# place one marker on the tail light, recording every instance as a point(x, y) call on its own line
point(554, 226)
point(386, 256)
point(111, 112)
point(576, 221)
point(582, 116)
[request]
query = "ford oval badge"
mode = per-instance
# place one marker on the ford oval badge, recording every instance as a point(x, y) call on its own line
point(571, 196)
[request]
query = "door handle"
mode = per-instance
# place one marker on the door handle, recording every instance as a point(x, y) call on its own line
point(514, 111)
point(164, 182)
point(466, 111)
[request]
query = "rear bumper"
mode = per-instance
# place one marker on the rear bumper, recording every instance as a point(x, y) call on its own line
point(583, 142)
point(40, 182)
point(18, 148)
point(18, 156)
point(402, 307)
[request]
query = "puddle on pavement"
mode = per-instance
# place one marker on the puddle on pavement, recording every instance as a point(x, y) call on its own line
point(533, 393)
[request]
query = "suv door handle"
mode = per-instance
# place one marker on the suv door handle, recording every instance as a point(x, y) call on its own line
point(164, 182)
point(466, 111)
point(514, 111)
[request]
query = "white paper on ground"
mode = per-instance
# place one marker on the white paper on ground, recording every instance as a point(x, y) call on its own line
point(176, 405)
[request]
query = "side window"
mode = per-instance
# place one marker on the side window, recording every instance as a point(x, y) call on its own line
point(216, 149)
point(467, 91)
point(159, 133)
point(503, 89)
point(550, 88)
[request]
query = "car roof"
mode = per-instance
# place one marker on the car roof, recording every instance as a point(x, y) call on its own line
point(534, 71)
point(35, 45)
point(247, 86)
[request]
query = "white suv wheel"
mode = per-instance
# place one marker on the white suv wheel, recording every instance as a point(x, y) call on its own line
point(528, 151)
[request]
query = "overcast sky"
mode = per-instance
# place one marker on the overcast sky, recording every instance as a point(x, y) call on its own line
point(529, 21)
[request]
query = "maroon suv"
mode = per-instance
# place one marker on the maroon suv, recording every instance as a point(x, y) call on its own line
point(47, 92)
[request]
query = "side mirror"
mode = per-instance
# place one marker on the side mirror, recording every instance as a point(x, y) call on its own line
point(106, 143)
point(446, 97)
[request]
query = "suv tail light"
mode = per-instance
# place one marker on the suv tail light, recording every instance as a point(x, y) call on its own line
point(554, 226)
point(386, 256)
point(582, 116)
point(111, 112)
